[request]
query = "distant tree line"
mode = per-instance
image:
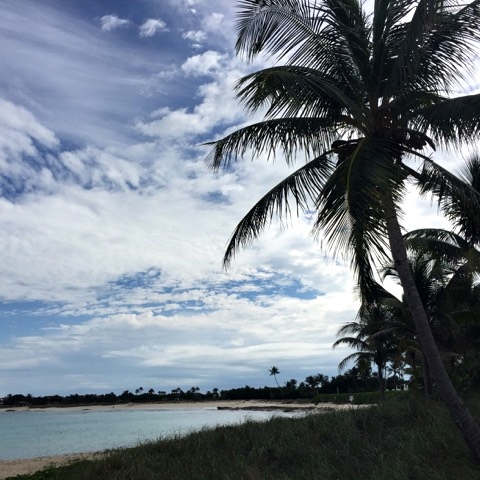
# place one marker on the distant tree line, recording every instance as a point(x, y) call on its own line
point(351, 381)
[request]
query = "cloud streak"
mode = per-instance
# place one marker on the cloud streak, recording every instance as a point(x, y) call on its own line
point(113, 22)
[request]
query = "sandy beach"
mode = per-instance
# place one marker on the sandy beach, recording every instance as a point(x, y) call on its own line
point(10, 468)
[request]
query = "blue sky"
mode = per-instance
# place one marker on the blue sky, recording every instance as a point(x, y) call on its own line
point(112, 230)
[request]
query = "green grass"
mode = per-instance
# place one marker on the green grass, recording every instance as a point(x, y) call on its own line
point(399, 440)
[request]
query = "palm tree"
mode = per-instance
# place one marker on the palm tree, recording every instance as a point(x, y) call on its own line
point(359, 94)
point(369, 335)
point(430, 276)
point(459, 258)
point(316, 381)
point(291, 384)
point(275, 371)
point(453, 297)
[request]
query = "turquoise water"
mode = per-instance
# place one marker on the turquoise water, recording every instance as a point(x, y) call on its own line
point(37, 433)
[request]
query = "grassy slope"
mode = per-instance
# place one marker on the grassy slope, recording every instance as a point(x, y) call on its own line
point(396, 441)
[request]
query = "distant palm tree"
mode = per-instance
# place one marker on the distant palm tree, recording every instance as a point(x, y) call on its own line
point(291, 384)
point(369, 336)
point(359, 94)
point(275, 371)
point(316, 381)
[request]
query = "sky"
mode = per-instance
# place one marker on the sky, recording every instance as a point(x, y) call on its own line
point(112, 229)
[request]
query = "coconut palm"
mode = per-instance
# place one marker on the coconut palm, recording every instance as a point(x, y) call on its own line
point(446, 266)
point(370, 336)
point(316, 381)
point(454, 305)
point(360, 95)
point(431, 280)
point(458, 252)
point(275, 371)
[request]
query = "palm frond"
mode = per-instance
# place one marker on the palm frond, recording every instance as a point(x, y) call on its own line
point(470, 171)
point(353, 342)
point(456, 258)
point(303, 186)
point(438, 243)
point(451, 121)
point(293, 91)
point(387, 36)
point(330, 36)
point(352, 357)
point(436, 46)
point(350, 327)
point(449, 53)
point(345, 35)
point(274, 26)
point(459, 201)
point(351, 207)
point(288, 135)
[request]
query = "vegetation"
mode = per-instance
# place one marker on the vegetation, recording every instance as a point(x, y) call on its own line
point(351, 381)
point(363, 96)
point(395, 441)
point(275, 371)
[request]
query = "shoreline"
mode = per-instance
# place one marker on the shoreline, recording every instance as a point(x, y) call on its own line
point(201, 405)
point(23, 466)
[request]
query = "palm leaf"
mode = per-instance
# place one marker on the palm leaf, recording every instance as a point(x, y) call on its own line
point(346, 32)
point(274, 26)
point(436, 46)
point(351, 209)
point(296, 91)
point(450, 121)
point(459, 201)
point(438, 243)
point(387, 38)
point(303, 186)
point(287, 135)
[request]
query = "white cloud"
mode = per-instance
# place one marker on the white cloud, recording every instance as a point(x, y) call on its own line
point(206, 63)
point(215, 23)
point(209, 347)
point(216, 106)
point(151, 27)
point(19, 128)
point(189, 6)
point(113, 22)
point(197, 37)
point(86, 95)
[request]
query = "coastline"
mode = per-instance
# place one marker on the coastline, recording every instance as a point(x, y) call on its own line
point(10, 468)
point(201, 405)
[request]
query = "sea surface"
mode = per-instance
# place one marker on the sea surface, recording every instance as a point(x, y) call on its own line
point(38, 433)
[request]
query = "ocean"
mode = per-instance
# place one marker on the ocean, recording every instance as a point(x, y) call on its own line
point(37, 433)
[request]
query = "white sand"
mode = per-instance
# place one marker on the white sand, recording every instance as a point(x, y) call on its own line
point(10, 468)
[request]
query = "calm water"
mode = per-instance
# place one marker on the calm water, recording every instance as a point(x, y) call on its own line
point(36, 433)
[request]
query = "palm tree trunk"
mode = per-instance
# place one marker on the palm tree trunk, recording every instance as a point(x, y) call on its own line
point(427, 381)
point(464, 420)
point(381, 383)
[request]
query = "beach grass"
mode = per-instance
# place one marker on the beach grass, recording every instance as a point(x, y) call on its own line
point(404, 439)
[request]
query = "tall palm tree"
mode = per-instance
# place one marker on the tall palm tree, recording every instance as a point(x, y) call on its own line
point(359, 94)
point(275, 371)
